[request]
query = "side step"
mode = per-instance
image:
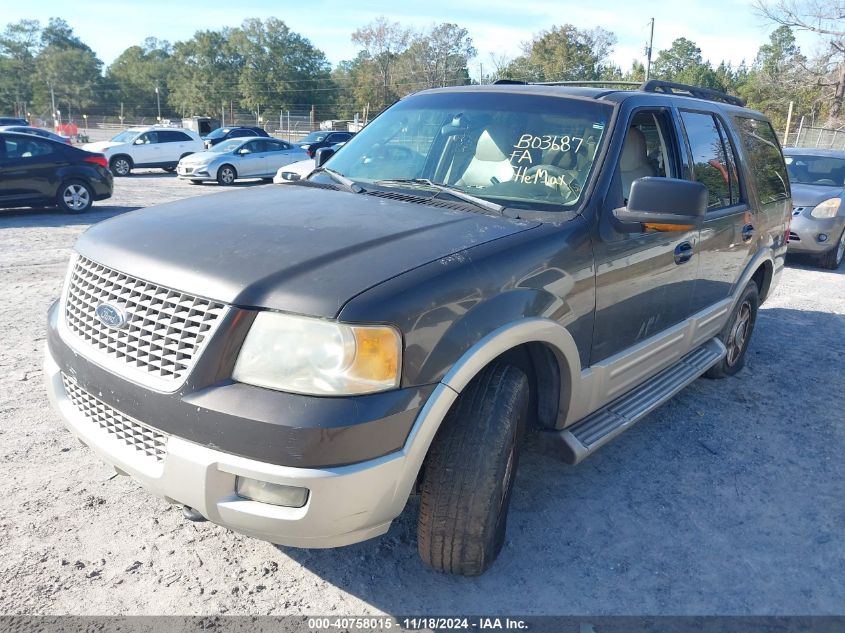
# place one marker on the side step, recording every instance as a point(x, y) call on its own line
point(586, 436)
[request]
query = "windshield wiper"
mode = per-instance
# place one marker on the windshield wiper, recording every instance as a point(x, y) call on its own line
point(443, 188)
point(350, 185)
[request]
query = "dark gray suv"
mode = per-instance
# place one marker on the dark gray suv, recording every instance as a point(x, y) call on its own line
point(294, 362)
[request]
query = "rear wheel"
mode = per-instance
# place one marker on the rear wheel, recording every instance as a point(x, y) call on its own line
point(736, 335)
point(120, 165)
point(469, 473)
point(75, 196)
point(832, 259)
point(226, 175)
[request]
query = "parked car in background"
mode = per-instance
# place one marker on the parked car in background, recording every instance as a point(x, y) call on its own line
point(225, 133)
point(325, 138)
point(299, 170)
point(28, 129)
point(817, 177)
point(238, 158)
point(36, 172)
point(10, 120)
point(153, 146)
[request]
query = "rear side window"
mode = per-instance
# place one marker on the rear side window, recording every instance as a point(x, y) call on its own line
point(768, 169)
point(17, 148)
point(710, 163)
point(169, 136)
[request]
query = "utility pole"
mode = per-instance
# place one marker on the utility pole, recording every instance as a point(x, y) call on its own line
point(648, 51)
point(788, 123)
point(53, 103)
point(480, 73)
point(158, 104)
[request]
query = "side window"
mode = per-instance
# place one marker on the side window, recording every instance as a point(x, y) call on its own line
point(648, 149)
point(709, 159)
point(730, 154)
point(149, 137)
point(173, 137)
point(29, 148)
point(254, 147)
point(768, 169)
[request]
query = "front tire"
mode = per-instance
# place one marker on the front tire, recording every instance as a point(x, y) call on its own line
point(169, 170)
point(736, 335)
point(74, 196)
point(120, 166)
point(469, 473)
point(832, 259)
point(226, 175)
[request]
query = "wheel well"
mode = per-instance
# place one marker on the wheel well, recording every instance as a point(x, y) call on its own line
point(126, 156)
point(763, 278)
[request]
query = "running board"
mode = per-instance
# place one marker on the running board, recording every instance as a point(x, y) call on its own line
point(583, 438)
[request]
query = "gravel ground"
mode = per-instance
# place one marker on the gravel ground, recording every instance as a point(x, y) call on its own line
point(730, 499)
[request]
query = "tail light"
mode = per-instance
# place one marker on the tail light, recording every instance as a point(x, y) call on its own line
point(97, 159)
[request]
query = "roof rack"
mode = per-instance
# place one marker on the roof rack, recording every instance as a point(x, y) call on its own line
point(598, 83)
point(668, 87)
point(653, 85)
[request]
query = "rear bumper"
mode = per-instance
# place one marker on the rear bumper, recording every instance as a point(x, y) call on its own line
point(805, 231)
point(345, 505)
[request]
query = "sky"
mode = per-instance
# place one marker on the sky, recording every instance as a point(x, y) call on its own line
point(723, 29)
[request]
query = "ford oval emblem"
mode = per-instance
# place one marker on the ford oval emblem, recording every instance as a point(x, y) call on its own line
point(110, 315)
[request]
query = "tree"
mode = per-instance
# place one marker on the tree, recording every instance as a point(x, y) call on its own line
point(826, 18)
point(137, 72)
point(565, 53)
point(19, 44)
point(436, 57)
point(382, 42)
point(682, 63)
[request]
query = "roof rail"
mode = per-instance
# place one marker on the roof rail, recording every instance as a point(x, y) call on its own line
point(596, 83)
point(669, 87)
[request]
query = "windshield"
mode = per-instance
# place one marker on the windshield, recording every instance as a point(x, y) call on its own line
point(127, 136)
point(816, 170)
point(518, 150)
point(219, 132)
point(226, 146)
point(314, 137)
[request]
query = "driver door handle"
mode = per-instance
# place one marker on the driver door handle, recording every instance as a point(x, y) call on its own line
point(747, 232)
point(683, 252)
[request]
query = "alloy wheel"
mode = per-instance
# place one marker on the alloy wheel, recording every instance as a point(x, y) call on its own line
point(739, 334)
point(76, 197)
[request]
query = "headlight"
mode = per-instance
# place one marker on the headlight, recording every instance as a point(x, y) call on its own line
point(318, 357)
point(827, 209)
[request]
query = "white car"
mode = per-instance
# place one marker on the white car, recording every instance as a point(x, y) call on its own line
point(294, 171)
point(160, 147)
point(236, 158)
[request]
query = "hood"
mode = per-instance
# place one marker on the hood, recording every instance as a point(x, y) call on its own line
point(293, 248)
point(199, 158)
point(811, 195)
point(100, 146)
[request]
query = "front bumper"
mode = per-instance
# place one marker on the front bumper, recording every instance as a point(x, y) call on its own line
point(804, 232)
point(345, 504)
point(200, 172)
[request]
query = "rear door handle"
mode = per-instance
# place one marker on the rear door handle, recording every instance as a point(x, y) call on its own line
point(747, 232)
point(683, 252)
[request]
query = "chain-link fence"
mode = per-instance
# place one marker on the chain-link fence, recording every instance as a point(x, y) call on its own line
point(817, 137)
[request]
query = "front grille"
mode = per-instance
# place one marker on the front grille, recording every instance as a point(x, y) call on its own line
point(164, 329)
point(797, 210)
point(793, 237)
point(151, 443)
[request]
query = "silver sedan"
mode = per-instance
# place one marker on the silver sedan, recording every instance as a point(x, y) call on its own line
point(238, 158)
point(817, 177)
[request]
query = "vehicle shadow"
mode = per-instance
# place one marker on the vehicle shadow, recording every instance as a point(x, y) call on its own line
point(805, 262)
point(697, 509)
point(50, 216)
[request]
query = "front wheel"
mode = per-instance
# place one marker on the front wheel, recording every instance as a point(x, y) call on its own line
point(120, 166)
point(469, 473)
point(226, 175)
point(736, 335)
point(75, 196)
point(832, 259)
point(170, 169)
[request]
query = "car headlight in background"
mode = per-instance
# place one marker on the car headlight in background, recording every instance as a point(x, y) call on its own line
point(827, 209)
point(319, 357)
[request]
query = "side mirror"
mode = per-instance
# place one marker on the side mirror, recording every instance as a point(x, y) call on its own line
point(243, 151)
point(322, 155)
point(671, 203)
point(138, 141)
point(292, 176)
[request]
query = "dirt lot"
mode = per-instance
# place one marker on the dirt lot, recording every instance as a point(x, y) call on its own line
point(730, 499)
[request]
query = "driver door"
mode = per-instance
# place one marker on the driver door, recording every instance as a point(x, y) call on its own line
point(252, 159)
point(146, 149)
point(644, 279)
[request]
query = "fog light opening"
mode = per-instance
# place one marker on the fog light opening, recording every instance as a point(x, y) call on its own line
point(822, 237)
point(274, 494)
